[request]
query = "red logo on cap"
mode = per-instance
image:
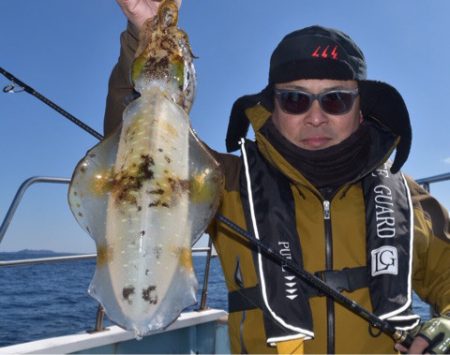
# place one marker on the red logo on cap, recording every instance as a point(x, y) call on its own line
point(317, 53)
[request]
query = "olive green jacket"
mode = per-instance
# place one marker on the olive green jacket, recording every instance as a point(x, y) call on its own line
point(431, 256)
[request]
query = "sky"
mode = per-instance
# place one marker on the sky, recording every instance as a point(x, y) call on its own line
point(65, 49)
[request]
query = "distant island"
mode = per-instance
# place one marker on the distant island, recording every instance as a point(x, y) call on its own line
point(32, 251)
point(44, 252)
point(31, 254)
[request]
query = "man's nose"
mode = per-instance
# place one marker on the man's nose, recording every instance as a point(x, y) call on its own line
point(315, 115)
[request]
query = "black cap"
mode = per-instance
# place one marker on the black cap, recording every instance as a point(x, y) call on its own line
point(317, 53)
point(323, 53)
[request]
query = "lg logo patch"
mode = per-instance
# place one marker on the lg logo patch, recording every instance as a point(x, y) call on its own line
point(384, 261)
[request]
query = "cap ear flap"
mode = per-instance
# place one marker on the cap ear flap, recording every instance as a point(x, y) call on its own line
point(401, 155)
point(385, 104)
point(239, 123)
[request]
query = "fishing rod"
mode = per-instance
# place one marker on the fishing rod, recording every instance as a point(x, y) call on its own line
point(12, 88)
point(400, 336)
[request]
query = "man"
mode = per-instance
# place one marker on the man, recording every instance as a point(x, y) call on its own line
point(317, 190)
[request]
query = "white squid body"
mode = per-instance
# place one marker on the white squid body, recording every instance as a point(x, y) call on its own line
point(145, 194)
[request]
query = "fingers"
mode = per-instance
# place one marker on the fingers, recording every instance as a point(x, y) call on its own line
point(399, 347)
point(138, 11)
point(418, 346)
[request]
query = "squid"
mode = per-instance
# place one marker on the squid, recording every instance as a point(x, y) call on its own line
point(147, 192)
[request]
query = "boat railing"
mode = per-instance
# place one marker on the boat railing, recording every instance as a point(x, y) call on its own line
point(19, 195)
point(66, 258)
point(426, 182)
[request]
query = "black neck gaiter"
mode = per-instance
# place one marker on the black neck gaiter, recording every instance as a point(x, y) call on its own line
point(325, 168)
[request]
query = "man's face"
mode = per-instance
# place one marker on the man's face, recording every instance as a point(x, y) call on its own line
point(316, 129)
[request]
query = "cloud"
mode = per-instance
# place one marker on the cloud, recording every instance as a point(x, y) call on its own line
point(447, 160)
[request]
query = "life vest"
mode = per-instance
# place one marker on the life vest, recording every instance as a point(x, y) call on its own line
point(270, 214)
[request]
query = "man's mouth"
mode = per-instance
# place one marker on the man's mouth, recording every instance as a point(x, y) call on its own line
point(316, 142)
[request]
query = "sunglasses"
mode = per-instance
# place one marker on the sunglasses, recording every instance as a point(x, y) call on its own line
point(333, 102)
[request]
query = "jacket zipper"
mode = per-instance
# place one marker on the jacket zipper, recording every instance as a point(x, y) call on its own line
point(329, 266)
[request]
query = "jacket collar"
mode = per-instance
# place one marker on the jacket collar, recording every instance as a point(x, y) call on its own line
point(383, 142)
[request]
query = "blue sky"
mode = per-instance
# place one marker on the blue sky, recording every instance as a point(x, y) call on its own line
point(65, 49)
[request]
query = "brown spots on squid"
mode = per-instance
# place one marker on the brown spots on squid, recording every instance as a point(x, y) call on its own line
point(144, 170)
point(127, 292)
point(169, 190)
point(164, 53)
point(150, 295)
point(178, 185)
point(156, 192)
point(160, 65)
point(104, 255)
point(158, 59)
point(126, 184)
point(168, 43)
point(127, 192)
point(158, 203)
point(154, 67)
